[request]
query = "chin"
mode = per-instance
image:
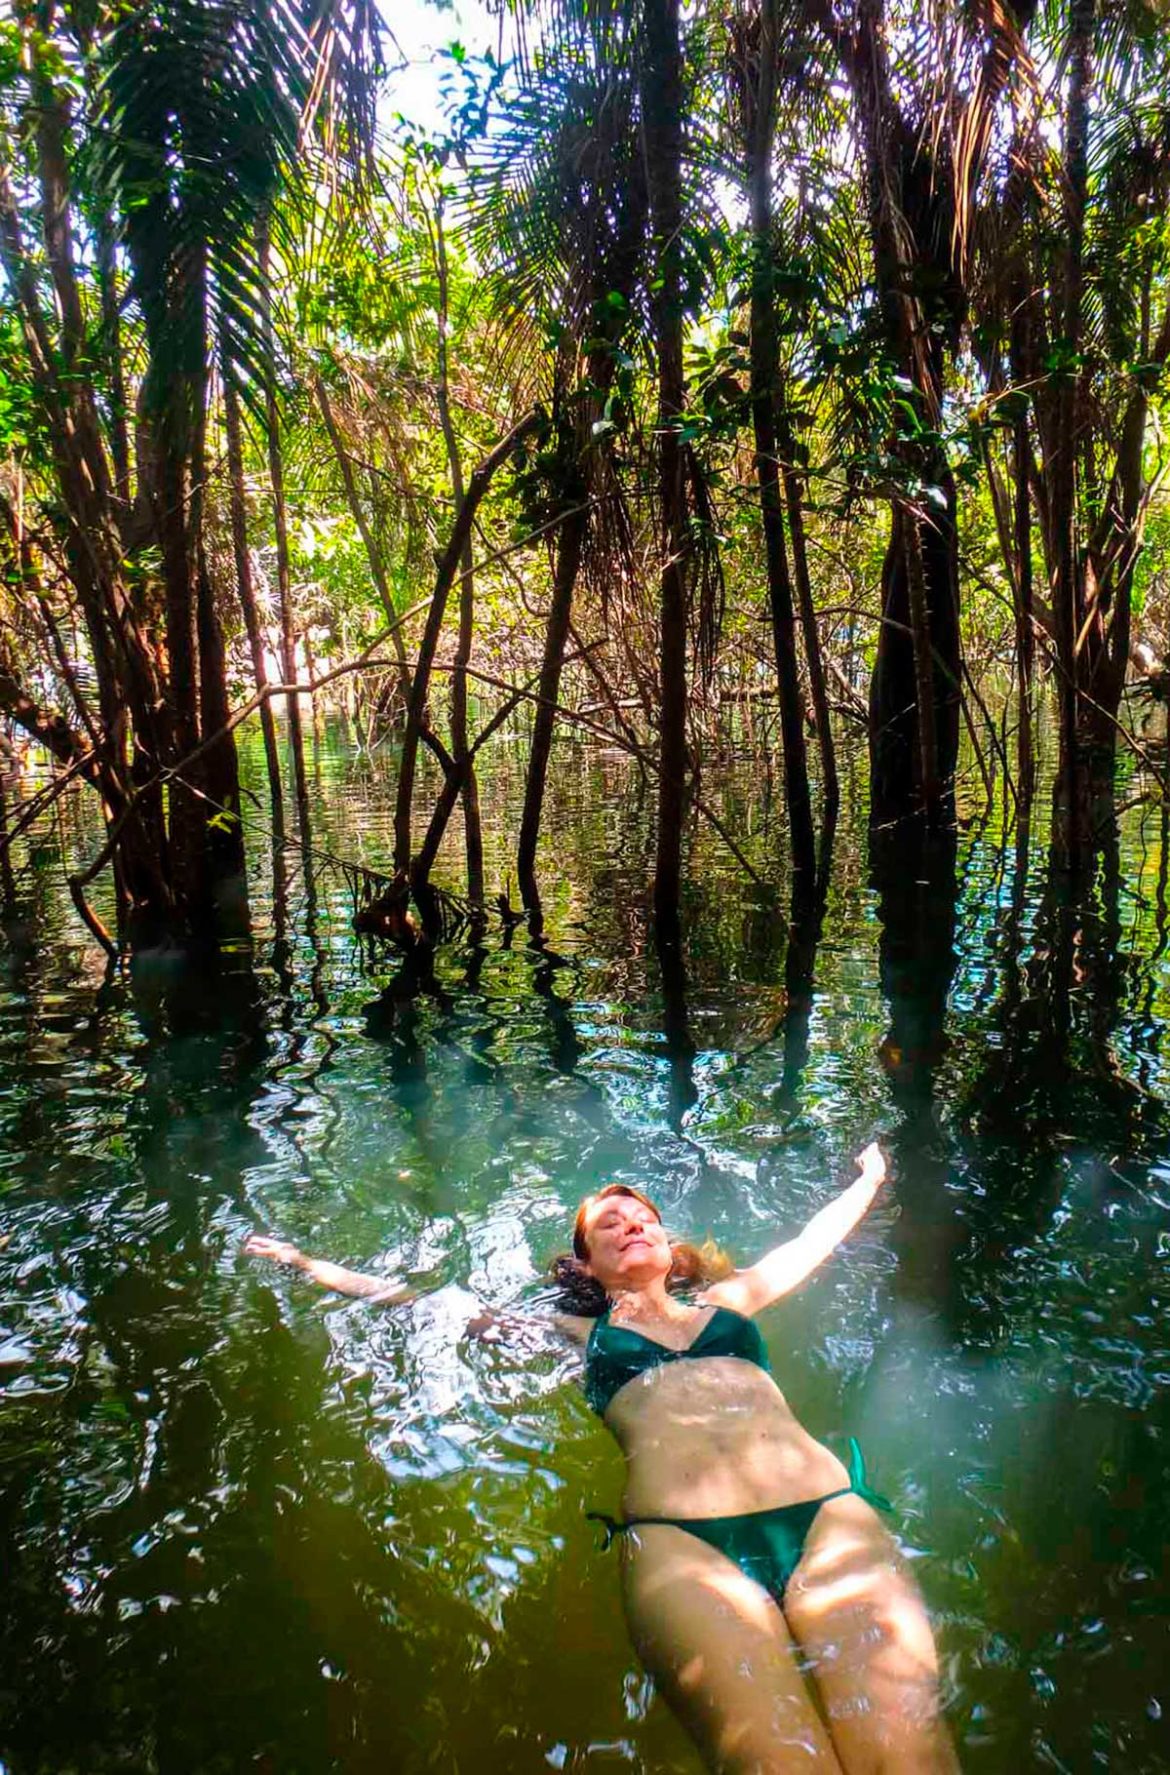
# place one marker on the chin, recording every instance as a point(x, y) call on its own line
point(642, 1275)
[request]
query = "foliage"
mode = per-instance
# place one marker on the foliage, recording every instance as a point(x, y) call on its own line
point(229, 205)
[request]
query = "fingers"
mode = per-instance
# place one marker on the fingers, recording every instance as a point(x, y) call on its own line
point(872, 1160)
point(278, 1250)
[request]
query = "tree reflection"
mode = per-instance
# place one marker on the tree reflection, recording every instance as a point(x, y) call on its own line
point(806, 919)
point(912, 870)
point(680, 1047)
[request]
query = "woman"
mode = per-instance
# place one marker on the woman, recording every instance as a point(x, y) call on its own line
point(763, 1592)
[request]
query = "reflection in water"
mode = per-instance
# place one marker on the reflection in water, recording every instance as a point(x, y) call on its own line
point(913, 874)
point(364, 1535)
point(807, 916)
point(680, 1049)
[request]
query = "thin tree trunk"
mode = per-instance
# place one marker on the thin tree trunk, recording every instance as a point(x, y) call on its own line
point(444, 579)
point(812, 640)
point(1025, 641)
point(473, 834)
point(661, 83)
point(246, 590)
point(759, 116)
point(923, 662)
point(1066, 588)
point(220, 764)
point(280, 528)
point(357, 511)
point(112, 329)
point(569, 547)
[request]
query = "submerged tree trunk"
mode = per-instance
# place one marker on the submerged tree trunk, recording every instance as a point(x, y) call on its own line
point(806, 916)
point(661, 86)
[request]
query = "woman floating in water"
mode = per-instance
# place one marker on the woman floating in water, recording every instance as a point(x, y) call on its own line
point(763, 1593)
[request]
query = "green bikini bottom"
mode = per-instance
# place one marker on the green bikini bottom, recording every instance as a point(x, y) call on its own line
point(766, 1544)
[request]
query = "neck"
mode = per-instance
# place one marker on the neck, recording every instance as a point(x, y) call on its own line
point(643, 1297)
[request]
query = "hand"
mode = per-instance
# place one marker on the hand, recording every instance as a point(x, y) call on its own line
point(484, 1327)
point(872, 1164)
point(279, 1250)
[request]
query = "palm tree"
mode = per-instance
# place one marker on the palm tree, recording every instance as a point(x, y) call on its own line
point(925, 91)
point(1074, 314)
point(197, 110)
point(560, 214)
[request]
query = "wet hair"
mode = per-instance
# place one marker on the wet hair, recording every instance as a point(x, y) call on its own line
point(692, 1266)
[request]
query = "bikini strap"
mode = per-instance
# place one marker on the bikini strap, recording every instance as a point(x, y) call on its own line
point(610, 1524)
point(858, 1481)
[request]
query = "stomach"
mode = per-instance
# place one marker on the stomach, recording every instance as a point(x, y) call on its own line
point(715, 1436)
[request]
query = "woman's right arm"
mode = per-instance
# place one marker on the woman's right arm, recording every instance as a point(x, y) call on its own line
point(330, 1275)
point(488, 1326)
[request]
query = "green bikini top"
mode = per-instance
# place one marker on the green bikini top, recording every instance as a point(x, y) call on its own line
point(616, 1354)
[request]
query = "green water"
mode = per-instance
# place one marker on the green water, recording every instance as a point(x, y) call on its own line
point(243, 1527)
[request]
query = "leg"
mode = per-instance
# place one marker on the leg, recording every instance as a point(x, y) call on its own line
point(863, 1627)
point(719, 1650)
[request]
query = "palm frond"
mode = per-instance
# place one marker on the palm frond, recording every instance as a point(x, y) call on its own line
point(202, 106)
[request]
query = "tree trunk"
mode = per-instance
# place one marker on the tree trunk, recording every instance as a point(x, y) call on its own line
point(570, 544)
point(1067, 571)
point(472, 830)
point(246, 590)
point(221, 769)
point(758, 105)
point(897, 758)
point(912, 216)
point(444, 579)
point(373, 552)
point(1025, 642)
point(661, 84)
point(812, 640)
point(288, 642)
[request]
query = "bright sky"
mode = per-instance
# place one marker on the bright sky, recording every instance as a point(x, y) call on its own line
point(416, 29)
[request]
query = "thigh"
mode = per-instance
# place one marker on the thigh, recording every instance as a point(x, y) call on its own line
point(721, 1655)
point(864, 1630)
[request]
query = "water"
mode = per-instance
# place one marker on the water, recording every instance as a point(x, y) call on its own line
point(244, 1526)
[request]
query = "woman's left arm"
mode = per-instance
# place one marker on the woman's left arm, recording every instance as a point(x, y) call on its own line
point(780, 1271)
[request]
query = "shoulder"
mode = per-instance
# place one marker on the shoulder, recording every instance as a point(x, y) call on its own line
point(575, 1326)
point(736, 1293)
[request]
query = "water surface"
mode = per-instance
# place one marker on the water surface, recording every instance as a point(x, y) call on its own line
point(245, 1527)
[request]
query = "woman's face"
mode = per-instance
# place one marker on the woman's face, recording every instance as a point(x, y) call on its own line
point(626, 1243)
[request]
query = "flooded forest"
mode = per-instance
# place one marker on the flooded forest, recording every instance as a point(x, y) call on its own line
point(584, 595)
